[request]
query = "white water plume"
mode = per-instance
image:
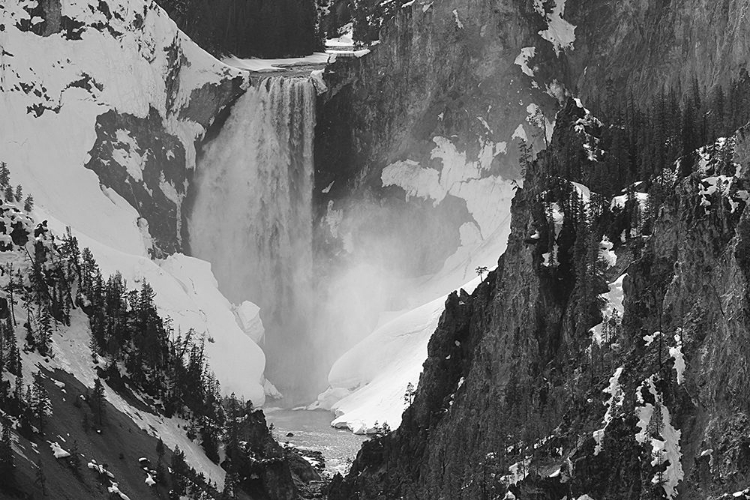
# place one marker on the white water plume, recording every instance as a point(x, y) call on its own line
point(252, 213)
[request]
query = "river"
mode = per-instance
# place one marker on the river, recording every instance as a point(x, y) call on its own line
point(312, 429)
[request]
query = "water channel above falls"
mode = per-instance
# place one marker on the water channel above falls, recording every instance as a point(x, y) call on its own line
point(312, 429)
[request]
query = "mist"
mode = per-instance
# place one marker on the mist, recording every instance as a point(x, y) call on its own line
point(322, 286)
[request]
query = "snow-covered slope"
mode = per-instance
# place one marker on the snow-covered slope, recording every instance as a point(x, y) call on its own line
point(101, 105)
point(368, 383)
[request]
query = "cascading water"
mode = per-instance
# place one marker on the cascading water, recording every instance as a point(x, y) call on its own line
point(252, 215)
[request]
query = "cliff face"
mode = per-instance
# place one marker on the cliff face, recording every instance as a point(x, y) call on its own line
point(427, 120)
point(642, 46)
point(519, 394)
point(124, 93)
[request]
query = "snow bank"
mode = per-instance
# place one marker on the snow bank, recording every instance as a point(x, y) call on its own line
point(273, 65)
point(523, 58)
point(560, 33)
point(612, 311)
point(46, 154)
point(58, 451)
point(128, 73)
point(679, 360)
point(665, 450)
point(488, 198)
point(187, 292)
point(616, 398)
point(373, 375)
point(73, 356)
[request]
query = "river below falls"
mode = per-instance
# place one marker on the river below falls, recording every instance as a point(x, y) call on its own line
point(312, 430)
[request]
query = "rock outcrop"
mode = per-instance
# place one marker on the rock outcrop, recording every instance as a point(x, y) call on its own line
point(519, 394)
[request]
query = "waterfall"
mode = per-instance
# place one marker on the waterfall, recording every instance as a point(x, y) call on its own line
point(252, 213)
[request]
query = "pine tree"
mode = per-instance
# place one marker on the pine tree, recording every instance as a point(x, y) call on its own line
point(4, 175)
point(10, 288)
point(75, 459)
point(409, 394)
point(7, 465)
point(98, 401)
point(45, 331)
point(40, 403)
point(19, 193)
point(9, 197)
point(179, 469)
point(41, 479)
point(28, 204)
point(160, 450)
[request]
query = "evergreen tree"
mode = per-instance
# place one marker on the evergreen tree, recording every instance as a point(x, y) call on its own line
point(98, 401)
point(75, 459)
point(45, 331)
point(7, 464)
point(179, 471)
point(28, 204)
point(10, 288)
point(41, 478)
point(40, 403)
point(160, 450)
point(4, 175)
point(19, 193)
point(9, 196)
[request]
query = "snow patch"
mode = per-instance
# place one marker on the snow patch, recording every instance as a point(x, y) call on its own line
point(523, 58)
point(665, 450)
point(612, 311)
point(560, 33)
point(616, 398)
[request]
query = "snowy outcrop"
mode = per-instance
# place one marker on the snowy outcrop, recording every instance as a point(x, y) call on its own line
point(103, 105)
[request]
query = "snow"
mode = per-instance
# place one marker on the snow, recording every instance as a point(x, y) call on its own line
point(327, 189)
point(281, 64)
point(46, 155)
point(619, 201)
point(248, 318)
point(616, 398)
point(346, 40)
point(536, 118)
point(560, 33)
point(613, 308)
point(58, 451)
point(520, 133)
point(150, 480)
point(665, 450)
point(487, 198)
point(187, 292)
point(318, 81)
point(72, 355)
point(606, 254)
point(649, 339)
point(523, 58)
point(517, 472)
point(679, 360)
point(459, 24)
point(373, 375)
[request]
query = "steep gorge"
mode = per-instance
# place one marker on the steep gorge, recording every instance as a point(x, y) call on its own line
point(514, 391)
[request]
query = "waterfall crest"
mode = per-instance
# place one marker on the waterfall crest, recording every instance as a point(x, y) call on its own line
point(252, 212)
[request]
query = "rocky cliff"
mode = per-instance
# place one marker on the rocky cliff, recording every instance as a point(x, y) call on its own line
point(553, 380)
point(124, 92)
point(429, 122)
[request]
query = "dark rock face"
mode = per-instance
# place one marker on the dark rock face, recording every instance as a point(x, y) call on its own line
point(512, 393)
point(645, 45)
point(255, 28)
point(435, 75)
point(163, 160)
